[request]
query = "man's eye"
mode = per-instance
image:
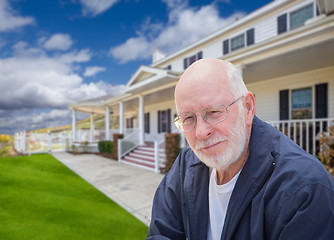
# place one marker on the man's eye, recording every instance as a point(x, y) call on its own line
point(213, 114)
point(187, 119)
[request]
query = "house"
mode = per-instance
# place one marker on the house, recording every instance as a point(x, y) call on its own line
point(285, 53)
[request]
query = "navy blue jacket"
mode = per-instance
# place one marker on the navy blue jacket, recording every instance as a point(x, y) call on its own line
point(282, 193)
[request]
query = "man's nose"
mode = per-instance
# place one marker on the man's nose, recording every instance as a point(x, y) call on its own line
point(203, 128)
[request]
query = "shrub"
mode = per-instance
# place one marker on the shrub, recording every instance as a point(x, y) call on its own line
point(327, 149)
point(4, 138)
point(172, 149)
point(105, 146)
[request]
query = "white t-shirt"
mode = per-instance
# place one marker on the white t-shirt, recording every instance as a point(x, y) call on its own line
point(219, 197)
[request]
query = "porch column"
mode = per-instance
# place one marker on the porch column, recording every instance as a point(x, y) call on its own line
point(91, 132)
point(74, 126)
point(121, 118)
point(107, 119)
point(141, 120)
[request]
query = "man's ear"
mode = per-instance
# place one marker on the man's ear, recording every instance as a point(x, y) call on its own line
point(249, 104)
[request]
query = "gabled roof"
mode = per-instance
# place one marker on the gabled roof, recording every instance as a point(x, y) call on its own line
point(147, 77)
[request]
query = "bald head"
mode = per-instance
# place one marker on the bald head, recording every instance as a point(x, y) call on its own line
point(212, 77)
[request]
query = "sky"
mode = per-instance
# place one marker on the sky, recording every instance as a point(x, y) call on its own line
point(58, 52)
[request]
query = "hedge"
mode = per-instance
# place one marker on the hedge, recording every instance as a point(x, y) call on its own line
point(105, 146)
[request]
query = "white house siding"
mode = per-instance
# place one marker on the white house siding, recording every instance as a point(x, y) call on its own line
point(265, 28)
point(153, 110)
point(267, 92)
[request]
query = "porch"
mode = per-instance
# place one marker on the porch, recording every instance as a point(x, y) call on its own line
point(151, 155)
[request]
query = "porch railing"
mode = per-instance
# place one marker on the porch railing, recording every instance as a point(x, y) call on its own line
point(83, 135)
point(304, 132)
point(128, 143)
point(159, 154)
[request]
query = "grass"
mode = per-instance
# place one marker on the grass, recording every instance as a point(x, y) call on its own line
point(40, 198)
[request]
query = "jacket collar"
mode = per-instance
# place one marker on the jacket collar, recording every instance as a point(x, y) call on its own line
point(254, 174)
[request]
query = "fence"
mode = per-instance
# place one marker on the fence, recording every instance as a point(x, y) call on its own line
point(42, 142)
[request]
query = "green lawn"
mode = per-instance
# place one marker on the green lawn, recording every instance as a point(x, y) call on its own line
point(40, 198)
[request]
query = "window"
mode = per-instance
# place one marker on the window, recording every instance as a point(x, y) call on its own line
point(169, 67)
point(296, 18)
point(301, 107)
point(300, 16)
point(164, 121)
point(147, 122)
point(190, 60)
point(129, 122)
point(238, 42)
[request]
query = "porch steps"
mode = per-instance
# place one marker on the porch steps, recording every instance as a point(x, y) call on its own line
point(143, 156)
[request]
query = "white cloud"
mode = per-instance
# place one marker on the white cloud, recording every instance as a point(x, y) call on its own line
point(53, 115)
point(35, 88)
point(93, 7)
point(31, 79)
point(92, 71)
point(23, 120)
point(185, 26)
point(8, 20)
point(57, 41)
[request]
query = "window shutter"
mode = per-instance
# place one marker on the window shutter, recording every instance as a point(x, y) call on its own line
point(321, 100)
point(225, 46)
point(132, 122)
point(199, 55)
point(185, 63)
point(148, 122)
point(282, 24)
point(284, 105)
point(169, 120)
point(250, 36)
point(159, 121)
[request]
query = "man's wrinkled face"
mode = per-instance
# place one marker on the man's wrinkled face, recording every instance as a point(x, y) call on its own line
point(217, 145)
point(223, 147)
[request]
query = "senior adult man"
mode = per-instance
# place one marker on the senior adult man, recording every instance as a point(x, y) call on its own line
point(240, 178)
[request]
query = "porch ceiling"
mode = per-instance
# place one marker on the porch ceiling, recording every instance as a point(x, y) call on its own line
point(155, 97)
point(297, 51)
point(301, 60)
point(90, 109)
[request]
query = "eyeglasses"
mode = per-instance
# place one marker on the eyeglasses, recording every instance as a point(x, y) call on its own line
point(213, 115)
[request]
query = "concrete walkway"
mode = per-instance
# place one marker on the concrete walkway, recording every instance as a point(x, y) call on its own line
point(131, 187)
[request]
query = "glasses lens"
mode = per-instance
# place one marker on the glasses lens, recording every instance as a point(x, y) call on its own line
point(215, 114)
point(185, 122)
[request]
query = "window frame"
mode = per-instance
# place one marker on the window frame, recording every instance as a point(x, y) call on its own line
point(193, 58)
point(298, 10)
point(311, 108)
point(288, 17)
point(235, 37)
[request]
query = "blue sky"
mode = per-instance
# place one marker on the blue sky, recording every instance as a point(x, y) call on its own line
point(57, 52)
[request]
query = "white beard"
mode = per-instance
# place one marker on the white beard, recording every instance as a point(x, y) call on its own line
point(236, 145)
